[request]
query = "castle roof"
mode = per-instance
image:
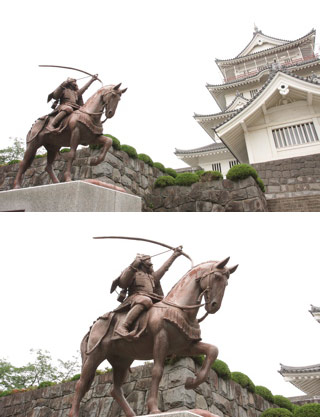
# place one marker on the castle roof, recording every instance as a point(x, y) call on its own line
point(278, 45)
point(231, 130)
point(305, 378)
point(212, 147)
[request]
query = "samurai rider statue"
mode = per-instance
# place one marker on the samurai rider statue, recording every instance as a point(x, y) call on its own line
point(68, 97)
point(142, 284)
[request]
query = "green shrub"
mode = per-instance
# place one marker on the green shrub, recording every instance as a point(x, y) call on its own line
point(130, 150)
point(243, 380)
point(221, 368)
point(186, 178)
point(283, 402)
point(211, 176)
point(265, 393)
point(307, 410)
point(96, 146)
point(261, 184)
point(145, 158)
point(160, 166)
point(171, 172)
point(46, 384)
point(40, 156)
point(75, 377)
point(200, 172)
point(7, 392)
point(115, 142)
point(164, 181)
point(276, 412)
point(63, 150)
point(241, 171)
point(198, 359)
point(14, 161)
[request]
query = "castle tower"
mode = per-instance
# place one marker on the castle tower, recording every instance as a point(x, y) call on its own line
point(269, 105)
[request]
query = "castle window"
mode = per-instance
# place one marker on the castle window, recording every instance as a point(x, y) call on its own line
point(216, 167)
point(253, 92)
point(295, 135)
point(233, 163)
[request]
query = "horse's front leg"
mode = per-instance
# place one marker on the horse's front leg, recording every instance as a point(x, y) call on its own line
point(211, 354)
point(106, 143)
point(74, 142)
point(160, 350)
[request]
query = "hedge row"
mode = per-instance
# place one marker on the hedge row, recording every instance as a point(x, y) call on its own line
point(235, 173)
point(307, 410)
point(131, 151)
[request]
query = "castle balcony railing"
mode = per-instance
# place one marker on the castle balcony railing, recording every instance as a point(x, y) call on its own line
point(285, 63)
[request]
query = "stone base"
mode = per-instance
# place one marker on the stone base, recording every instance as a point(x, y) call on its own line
point(184, 413)
point(71, 196)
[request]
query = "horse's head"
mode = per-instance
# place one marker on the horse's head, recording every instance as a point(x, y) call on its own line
point(111, 99)
point(213, 283)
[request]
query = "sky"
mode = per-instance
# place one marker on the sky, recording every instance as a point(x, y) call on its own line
point(56, 279)
point(163, 51)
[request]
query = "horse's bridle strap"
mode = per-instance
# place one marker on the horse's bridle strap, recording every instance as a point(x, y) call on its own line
point(169, 303)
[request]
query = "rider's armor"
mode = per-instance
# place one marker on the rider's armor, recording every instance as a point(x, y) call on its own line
point(69, 99)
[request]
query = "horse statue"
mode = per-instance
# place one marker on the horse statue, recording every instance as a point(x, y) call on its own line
point(81, 127)
point(169, 327)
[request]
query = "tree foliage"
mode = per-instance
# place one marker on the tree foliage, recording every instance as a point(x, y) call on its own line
point(14, 152)
point(40, 370)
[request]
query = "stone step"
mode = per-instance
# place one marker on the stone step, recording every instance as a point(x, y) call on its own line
point(295, 204)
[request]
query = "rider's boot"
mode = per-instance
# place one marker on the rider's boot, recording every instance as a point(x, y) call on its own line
point(61, 115)
point(134, 313)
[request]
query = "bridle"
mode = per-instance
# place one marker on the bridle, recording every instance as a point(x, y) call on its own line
point(99, 113)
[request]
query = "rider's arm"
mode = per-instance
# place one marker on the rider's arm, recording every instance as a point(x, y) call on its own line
point(86, 86)
point(164, 268)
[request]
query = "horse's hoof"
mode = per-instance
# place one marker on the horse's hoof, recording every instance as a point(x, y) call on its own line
point(190, 383)
point(94, 161)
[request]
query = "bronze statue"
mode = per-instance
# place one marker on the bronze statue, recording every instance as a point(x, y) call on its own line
point(72, 123)
point(167, 327)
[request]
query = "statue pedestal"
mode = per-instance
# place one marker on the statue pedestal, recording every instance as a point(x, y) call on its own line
point(196, 412)
point(70, 196)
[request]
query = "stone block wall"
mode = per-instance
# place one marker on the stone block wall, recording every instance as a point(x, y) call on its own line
point(118, 168)
point(292, 177)
point(138, 178)
point(221, 195)
point(224, 398)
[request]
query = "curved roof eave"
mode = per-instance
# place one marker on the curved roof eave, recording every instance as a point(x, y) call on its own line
point(263, 88)
point(255, 54)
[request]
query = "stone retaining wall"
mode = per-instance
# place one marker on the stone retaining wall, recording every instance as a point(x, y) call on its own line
point(138, 178)
point(220, 195)
point(118, 168)
point(224, 398)
point(292, 177)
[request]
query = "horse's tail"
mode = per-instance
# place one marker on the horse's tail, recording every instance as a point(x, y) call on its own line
point(83, 347)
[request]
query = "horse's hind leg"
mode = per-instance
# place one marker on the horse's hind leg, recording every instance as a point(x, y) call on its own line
point(52, 153)
point(87, 375)
point(106, 143)
point(28, 157)
point(120, 371)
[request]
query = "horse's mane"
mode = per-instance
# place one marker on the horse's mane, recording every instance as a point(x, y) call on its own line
point(105, 88)
point(193, 273)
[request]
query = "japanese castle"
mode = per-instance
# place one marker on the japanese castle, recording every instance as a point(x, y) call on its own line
point(269, 102)
point(305, 378)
